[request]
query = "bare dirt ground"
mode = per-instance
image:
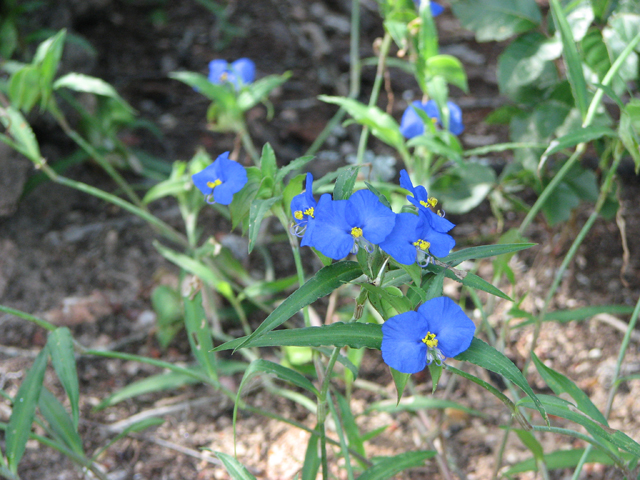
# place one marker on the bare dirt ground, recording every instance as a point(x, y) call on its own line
point(78, 262)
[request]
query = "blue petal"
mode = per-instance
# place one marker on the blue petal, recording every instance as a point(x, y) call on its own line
point(377, 220)
point(441, 243)
point(453, 328)
point(303, 201)
point(232, 175)
point(455, 119)
point(245, 70)
point(200, 179)
point(431, 108)
point(438, 223)
point(436, 9)
point(331, 234)
point(216, 69)
point(399, 243)
point(405, 181)
point(402, 346)
point(411, 124)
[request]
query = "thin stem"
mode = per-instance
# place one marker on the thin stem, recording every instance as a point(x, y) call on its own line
point(604, 192)
point(591, 112)
point(248, 146)
point(375, 92)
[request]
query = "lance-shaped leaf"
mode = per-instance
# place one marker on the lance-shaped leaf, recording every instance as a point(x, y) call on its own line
point(60, 345)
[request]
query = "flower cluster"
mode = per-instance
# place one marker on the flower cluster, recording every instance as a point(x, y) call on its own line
point(339, 227)
point(412, 124)
point(220, 180)
point(239, 73)
point(439, 329)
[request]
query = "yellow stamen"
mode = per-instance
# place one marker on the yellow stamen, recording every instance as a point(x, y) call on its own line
point(298, 214)
point(309, 211)
point(213, 185)
point(430, 340)
point(356, 232)
point(422, 244)
point(224, 76)
point(431, 202)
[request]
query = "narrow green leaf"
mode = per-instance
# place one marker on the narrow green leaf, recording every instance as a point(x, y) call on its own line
point(400, 304)
point(484, 251)
point(154, 383)
point(450, 68)
point(469, 280)
point(20, 131)
point(561, 459)
point(61, 424)
point(354, 335)
point(24, 410)
point(268, 161)
point(325, 281)
point(214, 92)
point(293, 165)
point(400, 380)
point(197, 325)
point(259, 90)
point(436, 373)
point(562, 408)
point(60, 344)
point(582, 135)
point(571, 58)
point(386, 467)
point(420, 402)
point(485, 356)
point(259, 208)
point(243, 200)
point(584, 313)
point(24, 88)
point(561, 384)
point(531, 443)
point(311, 464)
point(345, 183)
point(80, 82)
point(48, 57)
point(349, 424)
point(234, 467)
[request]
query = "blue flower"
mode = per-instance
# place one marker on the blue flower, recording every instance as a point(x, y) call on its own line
point(220, 180)
point(436, 9)
point(421, 199)
point(412, 125)
point(341, 226)
point(438, 330)
point(413, 238)
point(239, 73)
point(303, 208)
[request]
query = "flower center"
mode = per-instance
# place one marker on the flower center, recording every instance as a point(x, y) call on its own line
point(356, 232)
point(430, 340)
point(298, 214)
point(431, 202)
point(422, 244)
point(309, 212)
point(224, 76)
point(213, 185)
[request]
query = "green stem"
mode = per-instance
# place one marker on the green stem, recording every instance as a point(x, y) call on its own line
point(591, 112)
point(248, 145)
point(375, 92)
point(604, 193)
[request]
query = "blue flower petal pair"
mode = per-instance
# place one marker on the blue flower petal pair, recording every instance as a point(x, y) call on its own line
point(221, 180)
point(341, 226)
point(439, 329)
point(239, 73)
point(412, 125)
point(420, 198)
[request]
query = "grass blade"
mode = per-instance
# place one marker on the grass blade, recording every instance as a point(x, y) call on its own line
point(60, 344)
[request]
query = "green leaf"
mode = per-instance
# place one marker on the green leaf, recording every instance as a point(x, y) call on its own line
point(561, 384)
point(485, 356)
point(571, 58)
point(450, 68)
point(497, 19)
point(197, 325)
point(577, 314)
point(387, 467)
point(381, 123)
point(629, 135)
point(293, 165)
point(259, 90)
point(594, 52)
point(400, 380)
point(154, 383)
point(349, 424)
point(311, 464)
point(399, 303)
point(48, 57)
point(345, 183)
point(195, 267)
point(469, 279)
point(325, 281)
point(24, 88)
point(79, 82)
point(531, 443)
point(436, 145)
point(528, 61)
point(436, 372)
point(61, 424)
point(234, 467)
point(259, 208)
point(24, 410)
point(214, 92)
point(582, 135)
point(268, 161)
point(564, 409)
point(561, 459)
point(420, 402)
point(22, 137)
point(463, 187)
point(60, 344)
point(354, 335)
point(618, 34)
point(484, 251)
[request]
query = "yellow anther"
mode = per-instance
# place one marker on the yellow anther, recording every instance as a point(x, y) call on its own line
point(213, 185)
point(298, 214)
point(309, 211)
point(422, 244)
point(433, 201)
point(224, 76)
point(430, 340)
point(356, 232)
